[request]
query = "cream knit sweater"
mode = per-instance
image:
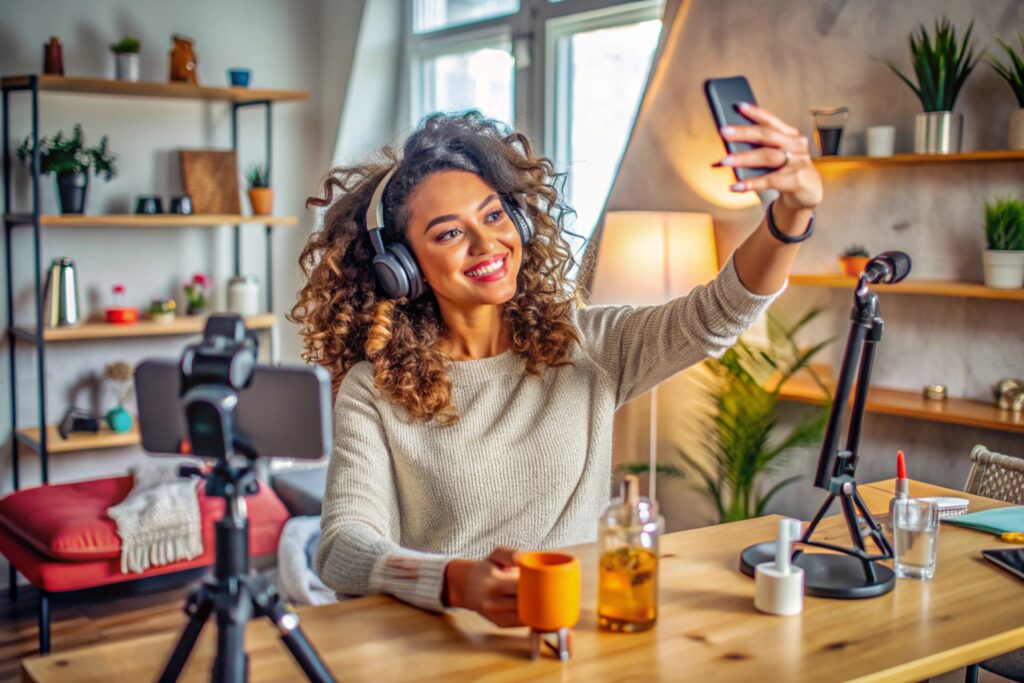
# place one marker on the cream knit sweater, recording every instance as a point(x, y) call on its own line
point(527, 465)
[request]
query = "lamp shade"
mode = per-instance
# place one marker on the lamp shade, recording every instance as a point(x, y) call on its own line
point(650, 257)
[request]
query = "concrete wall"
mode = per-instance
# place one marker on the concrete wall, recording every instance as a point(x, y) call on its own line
point(306, 45)
point(803, 53)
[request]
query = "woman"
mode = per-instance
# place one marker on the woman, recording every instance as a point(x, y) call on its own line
point(474, 396)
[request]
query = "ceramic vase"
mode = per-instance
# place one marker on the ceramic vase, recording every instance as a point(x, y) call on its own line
point(1004, 269)
point(127, 66)
point(938, 132)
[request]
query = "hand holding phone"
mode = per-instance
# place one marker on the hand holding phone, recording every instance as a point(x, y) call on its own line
point(724, 97)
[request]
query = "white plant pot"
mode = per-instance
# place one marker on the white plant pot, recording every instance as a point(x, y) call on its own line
point(127, 67)
point(1004, 269)
point(1015, 138)
point(938, 132)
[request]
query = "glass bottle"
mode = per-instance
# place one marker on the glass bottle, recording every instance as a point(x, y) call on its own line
point(627, 599)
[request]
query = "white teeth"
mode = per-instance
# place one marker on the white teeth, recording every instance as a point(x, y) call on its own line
point(486, 270)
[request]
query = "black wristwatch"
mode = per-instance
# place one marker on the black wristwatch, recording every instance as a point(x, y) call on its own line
point(783, 237)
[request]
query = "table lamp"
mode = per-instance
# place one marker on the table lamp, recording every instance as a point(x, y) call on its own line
point(650, 257)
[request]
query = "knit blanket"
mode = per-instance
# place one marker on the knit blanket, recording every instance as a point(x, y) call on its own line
point(159, 521)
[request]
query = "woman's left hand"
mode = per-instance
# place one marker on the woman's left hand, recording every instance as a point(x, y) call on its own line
point(783, 148)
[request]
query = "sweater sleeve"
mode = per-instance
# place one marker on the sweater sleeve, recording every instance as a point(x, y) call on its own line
point(643, 346)
point(359, 552)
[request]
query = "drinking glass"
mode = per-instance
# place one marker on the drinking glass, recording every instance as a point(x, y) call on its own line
point(828, 128)
point(915, 526)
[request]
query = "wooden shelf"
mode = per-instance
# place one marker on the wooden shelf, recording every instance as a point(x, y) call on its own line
point(181, 325)
point(969, 290)
point(910, 404)
point(103, 86)
point(984, 156)
point(130, 220)
point(78, 441)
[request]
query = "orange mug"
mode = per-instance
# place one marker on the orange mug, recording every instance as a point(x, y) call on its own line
point(549, 591)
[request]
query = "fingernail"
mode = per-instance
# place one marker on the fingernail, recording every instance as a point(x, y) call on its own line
point(738, 187)
point(717, 164)
point(744, 105)
point(728, 130)
point(727, 160)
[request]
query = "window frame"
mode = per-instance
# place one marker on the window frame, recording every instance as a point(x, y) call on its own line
point(526, 31)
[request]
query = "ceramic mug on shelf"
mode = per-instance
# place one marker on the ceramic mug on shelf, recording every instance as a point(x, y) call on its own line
point(881, 141)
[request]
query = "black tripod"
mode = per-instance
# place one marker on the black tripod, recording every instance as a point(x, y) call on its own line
point(212, 373)
point(852, 572)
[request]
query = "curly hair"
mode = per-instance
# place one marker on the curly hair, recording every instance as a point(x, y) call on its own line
point(345, 318)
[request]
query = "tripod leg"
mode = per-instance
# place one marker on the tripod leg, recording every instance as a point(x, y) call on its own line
point(232, 664)
point(851, 523)
point(876, 529)
point(198, 610)
point(817, 517)
point(297, 643)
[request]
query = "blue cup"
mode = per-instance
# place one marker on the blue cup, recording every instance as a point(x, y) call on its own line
point(239, 78)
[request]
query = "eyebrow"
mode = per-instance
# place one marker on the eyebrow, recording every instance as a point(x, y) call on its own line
point(452, 216)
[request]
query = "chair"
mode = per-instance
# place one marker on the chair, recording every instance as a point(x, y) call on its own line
point(998, 476)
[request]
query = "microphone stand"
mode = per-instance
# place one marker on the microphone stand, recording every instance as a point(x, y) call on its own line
point(843, 572)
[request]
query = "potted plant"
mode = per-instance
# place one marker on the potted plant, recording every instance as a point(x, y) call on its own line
point(118, 418)
point(161, 311)
point(70, 160)
point(195, 293)
point(1013, 74)
point(941, 66)
point(1004, 236)
point(853, 260)
point(740, 435)
point(126, 52)
point(261, 196)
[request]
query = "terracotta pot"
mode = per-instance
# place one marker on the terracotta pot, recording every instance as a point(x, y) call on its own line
point(262, 200)
point(853, 266)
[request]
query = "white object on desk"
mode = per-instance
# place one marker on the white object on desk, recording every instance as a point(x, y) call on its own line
point(949, 506)
point(779, 585)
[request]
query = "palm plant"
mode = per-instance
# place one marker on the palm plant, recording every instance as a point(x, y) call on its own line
point(941, 65)
point(1012, 73)
point(739, 441)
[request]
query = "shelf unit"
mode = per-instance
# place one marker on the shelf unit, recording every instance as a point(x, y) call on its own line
point(967, 290)
point(167, 220)
point(801, 388)
point(46, 441)
point(983, 156)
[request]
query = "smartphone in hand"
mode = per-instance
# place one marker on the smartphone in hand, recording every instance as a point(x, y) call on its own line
point(724, 97)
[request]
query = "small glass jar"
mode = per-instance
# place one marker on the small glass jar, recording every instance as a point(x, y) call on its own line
point(627, 599)
point(244, 295)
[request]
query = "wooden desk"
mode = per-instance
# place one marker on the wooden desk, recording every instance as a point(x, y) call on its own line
point(707, 628)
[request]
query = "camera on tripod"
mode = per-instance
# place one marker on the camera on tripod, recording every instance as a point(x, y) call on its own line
point(218, 403)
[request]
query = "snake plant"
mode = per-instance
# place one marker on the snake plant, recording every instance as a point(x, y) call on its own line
point(941, 64)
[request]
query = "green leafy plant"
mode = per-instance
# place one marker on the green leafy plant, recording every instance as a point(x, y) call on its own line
point(61, 154)
point(739, 440)
point(941, 65)
point(126, 46)
point(856, 251)
point(256, 176)
point(1004, 224)
point(157, 306)
point(1012, 73)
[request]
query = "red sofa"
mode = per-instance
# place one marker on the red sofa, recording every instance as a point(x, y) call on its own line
point(60, 538)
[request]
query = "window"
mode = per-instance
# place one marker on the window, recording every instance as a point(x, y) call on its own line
point(544, 66)
point(432, 15)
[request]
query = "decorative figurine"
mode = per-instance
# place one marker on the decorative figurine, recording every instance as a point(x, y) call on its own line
point(53, 57)
point(118, 419)
point(1009, 394)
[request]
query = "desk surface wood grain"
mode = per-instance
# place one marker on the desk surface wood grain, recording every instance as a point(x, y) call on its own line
point(707, 627)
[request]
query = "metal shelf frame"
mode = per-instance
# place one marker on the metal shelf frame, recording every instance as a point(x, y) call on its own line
point(32, 85)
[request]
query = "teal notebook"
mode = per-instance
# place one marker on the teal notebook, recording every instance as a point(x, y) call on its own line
point(997, 521)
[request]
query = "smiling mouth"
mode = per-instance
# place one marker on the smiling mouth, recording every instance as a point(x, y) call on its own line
point(487, 269)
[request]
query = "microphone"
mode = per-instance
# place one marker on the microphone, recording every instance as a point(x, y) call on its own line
point(889, 267)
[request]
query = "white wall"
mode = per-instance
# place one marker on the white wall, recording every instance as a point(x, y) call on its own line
point(306, 45)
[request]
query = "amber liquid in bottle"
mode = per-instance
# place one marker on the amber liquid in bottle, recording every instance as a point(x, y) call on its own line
point(627, 590)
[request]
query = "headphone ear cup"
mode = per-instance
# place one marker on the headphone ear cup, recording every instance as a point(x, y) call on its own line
point(519, 217)
point(390, 275)
point(413, 278)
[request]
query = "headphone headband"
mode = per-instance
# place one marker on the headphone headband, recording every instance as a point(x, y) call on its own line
point(375, 211)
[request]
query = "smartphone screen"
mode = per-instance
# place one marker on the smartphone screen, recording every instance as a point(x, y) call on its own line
point(724, 96)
